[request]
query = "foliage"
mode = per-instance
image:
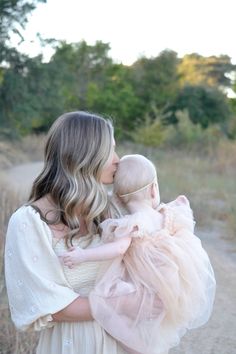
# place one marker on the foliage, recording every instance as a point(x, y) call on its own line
point(140, 98)
point(13, 17)
point(90, 80)
point(151, 131)
point(231, 127)
point(155, 80)
point(214, 71)
point(18, 102)
point(192, 136)
point(78, 65)
point(116, 98)
point(205, 105)
point(27, 100)
point(82, 76)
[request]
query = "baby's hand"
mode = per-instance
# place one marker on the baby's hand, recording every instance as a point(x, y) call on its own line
point(74, 256)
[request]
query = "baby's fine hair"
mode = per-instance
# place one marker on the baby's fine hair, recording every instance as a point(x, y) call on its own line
point(135, 172)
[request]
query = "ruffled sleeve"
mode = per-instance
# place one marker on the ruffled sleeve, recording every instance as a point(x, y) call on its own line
point(179, 215)
point(36, 284)
point(129, 225)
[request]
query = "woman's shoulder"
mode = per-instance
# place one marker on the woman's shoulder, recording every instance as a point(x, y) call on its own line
point(25, 217)
point(25, 211)
point(26, 223)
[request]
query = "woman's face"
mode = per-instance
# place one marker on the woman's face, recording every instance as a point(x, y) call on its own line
point(110, 167)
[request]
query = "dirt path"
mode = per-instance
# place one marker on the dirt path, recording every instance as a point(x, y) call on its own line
point(219, 335)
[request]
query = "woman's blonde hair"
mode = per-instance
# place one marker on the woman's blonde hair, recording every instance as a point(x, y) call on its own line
point(134, 174)
point(78, 146)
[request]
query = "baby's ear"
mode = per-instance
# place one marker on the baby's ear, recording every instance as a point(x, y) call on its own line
point(153, 191)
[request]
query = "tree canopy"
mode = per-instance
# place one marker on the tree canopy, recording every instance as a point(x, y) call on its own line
point(195, 69)
point(205, 105)
point(13, 18)
point(82, 76)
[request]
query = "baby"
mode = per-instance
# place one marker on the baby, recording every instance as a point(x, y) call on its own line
point(160, 281)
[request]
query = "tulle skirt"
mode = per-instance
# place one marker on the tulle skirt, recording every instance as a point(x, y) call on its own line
point(163, 286)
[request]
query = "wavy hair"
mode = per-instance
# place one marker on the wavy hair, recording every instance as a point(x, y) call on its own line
point(78, 146)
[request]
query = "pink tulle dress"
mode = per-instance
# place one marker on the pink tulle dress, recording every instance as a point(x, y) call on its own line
point(162, 286)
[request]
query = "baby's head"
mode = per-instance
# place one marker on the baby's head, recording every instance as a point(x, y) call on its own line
point(136, 179)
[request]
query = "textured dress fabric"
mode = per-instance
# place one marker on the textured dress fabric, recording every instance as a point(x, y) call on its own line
point(162, 286)
point(38, 285)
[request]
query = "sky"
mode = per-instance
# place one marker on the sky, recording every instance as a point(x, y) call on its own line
point(137, 27)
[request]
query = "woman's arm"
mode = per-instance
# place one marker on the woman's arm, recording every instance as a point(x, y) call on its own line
point(104, 252)
point(78, 310)
point(36, 284)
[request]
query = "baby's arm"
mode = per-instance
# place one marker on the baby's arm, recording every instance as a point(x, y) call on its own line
point(107, 251)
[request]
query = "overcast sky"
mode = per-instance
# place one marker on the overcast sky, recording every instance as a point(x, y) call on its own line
point(138, 27)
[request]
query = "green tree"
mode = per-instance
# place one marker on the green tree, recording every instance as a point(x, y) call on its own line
point(17, 102)
point(29, 99)
point(78, 65)
point(155, 80)
point(115, 97)
point(13, 18)
point(90, 80)
point(214, 71)
point(205, 106)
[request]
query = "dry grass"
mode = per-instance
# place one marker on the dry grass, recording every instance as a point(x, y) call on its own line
point(29, 148)
point(11, 341)
point(208, 181)
point(14, 153)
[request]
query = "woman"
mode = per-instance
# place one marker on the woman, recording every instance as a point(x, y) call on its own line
point(67, 202)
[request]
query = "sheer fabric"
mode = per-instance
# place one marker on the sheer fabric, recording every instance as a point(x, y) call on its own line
point(162, 286)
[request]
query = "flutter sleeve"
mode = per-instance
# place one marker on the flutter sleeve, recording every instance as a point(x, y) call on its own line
point(179, 215)
point(128, 225)
point(36, 284)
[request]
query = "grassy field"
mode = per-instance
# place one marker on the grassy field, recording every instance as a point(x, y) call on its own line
point(208, 180)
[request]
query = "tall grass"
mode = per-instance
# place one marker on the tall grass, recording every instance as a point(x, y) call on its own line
point(29, 148)
point(207, 180)
point(12, 153)
point(11, 341)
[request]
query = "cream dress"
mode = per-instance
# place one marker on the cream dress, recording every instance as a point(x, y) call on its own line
point(38, 286)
